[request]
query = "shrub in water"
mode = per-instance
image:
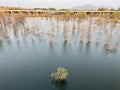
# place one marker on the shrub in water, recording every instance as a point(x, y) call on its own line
point(60, 75)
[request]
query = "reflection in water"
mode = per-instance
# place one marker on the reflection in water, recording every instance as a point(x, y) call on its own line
point(89, 32)
point(70, 32)
point(18, 44)
point(51, 48)
point(81, 48)
point(65, 47)
point(1, 45)
point(65, 31)
point(82, 33)
point(60, 86)
point(89, 48)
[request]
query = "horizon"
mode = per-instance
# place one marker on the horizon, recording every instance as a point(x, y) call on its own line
point(58, 4)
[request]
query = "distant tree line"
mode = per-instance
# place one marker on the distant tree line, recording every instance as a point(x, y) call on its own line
point(45, 9)
point(11, 8)
point(51, 8)
point(107, 9)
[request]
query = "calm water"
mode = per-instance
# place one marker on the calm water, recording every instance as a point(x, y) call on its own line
point(32, 48)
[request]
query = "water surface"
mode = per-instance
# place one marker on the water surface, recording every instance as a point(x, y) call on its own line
point(32, 48)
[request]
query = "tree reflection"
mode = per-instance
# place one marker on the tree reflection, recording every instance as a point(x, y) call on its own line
point(65, 46)
point(81, 47)
point(1, 45)
point(60, 86)
point(89, 33)
point(65, 32)
point(87, 48)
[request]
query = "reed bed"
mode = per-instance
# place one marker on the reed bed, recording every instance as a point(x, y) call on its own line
point(69, 29)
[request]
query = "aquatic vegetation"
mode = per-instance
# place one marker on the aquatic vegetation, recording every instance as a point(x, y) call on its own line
point(89, 33)
point(113, 17)
point(67, 15)
point(110, 47)
point(81, 15)
point(60, 75)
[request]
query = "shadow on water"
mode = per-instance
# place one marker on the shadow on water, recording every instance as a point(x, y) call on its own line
point(87, 48)
point(81, 47)
point(60, 85)
point(1, 45)
point(51, 48)
point(18, 44)
point(65, 47)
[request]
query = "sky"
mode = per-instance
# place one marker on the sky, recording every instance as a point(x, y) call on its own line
point(58, 3)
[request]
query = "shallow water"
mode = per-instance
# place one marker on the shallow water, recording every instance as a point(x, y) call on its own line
point(32, 48)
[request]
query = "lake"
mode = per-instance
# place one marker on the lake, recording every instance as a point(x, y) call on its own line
point(31, 48)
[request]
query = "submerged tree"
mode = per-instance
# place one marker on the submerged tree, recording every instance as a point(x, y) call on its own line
point(60, 75)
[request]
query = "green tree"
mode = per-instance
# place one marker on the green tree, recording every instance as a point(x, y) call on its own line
point(52, 9)
point(103, 9)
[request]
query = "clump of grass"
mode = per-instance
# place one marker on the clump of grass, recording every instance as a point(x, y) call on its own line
point(110, 47)
point(116, 20)
point(67, 15)
point(114, 17)
point(60, 75)
point(81, 15)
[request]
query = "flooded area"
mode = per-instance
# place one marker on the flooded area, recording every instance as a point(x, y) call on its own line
point(31, 48)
